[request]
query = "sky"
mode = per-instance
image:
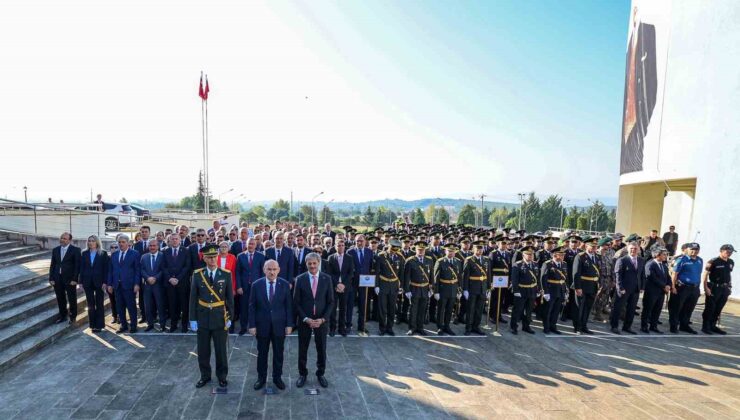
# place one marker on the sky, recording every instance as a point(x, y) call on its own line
point(359, 100)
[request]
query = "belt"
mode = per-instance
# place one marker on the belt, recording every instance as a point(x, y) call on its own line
point(680, 283)
point(419, 284)
point(388, 279)
point(210, 305)
point(718, 284)
point(556, 281)
point(589, 278)
point(500, 270)
point(479, 278)
point(447, 281)
point(527, 286)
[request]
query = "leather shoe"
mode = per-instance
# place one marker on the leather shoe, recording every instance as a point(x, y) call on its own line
point(478, 331)
point(645, 330)
point(133, 330)
point(528, 330)
point(674, 330)
point(322, 381)
point(410, 332)
point(706, 331)
point(122, 330)
point(587, 331)
point(688, 330)
point(656, 330)
point(466, 333)
point(300, 382)
point(381, 333)
point(513, 331)
point(279, 383)
point(343, 333)
point(332, 333)
point(149, 328)
point(616, 331)
point(223, 383)
point(555, 331)
point(718, 331)
point(449, 331)
point(421, 332)
point(390, 332)
point(440, 332)
point(201, 383)
point(60, 320)
point(242, 332)
point(629, 331)
point(258, 384)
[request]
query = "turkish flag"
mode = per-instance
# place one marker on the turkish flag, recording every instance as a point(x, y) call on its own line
point(205, 92)
point(200, 88)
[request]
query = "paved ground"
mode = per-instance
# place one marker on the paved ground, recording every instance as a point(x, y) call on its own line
point(602, 376)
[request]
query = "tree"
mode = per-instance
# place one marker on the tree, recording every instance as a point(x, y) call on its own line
point(442, 216)
point(467, 215)
point(486, 216)
point(279, 210)
point(368, 217)
point(550, 212)
point(305, 213)
point(325, 216)
point(418, 218)
point(430, 213)
point(498, 217)
point(571, 218)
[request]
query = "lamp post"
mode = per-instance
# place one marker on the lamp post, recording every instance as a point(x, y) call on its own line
point(313, 211)
point(25, 193)
point(590, 215)
point(521, 205)
point(326, 207)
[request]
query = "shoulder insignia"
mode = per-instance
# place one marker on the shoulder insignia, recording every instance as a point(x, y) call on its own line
point(225, 270)
point(408, 259)
point(198, 270)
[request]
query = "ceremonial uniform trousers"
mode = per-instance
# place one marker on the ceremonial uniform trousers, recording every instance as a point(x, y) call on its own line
point(446, 283)
point(417, 280)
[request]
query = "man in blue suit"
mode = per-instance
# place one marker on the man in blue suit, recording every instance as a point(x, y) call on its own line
point(124, 276)
point(363, 261)
point(240, 245)
point(630, 278)
point(249, 267)
point(195, 249)
point(142, 247)
point(177, 282)
point(657, 285)
point(152, 277)
point(270, 320)
point(284, 256)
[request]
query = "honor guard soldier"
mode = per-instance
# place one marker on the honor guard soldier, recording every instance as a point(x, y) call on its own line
point(435, 251)
point(586, 284)
point(389, 267)
point(447, 273)
point(402, 306)
point(211, 311)
point(525, 287)
point(553, 275)
point(570, 310)
point(417, 284)
point(462, 254)
point(476, 286)
point(499, 267)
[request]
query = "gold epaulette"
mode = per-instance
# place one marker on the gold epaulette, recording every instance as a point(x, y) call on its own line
point(225, 270)
point(198, 270)
point(409, 258)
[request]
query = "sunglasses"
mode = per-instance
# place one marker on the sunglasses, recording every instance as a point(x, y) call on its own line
point(114, 247)
point(201, 234)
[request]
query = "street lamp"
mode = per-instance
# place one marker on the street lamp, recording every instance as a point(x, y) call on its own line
point(224, 193)
point(313, 212)
point(590, 215)
point(521, 204)
point(25, 193)
point(326, 207)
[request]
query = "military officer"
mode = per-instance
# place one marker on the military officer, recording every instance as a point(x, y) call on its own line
point(402, 306)
point(499, 267)
point(462, 254)
point(389, 268)
point(585, 284)
point(436, 251)
point(606, 279)
point(418, 281)
point(525, 287)
point(570, 310)
point(476, 286)
point(553, 274)
point(447, 274)
point(211, 311)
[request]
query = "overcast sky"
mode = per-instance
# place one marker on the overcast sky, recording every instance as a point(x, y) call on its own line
point(362, 100)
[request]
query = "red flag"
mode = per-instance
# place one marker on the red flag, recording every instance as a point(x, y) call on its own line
point(205, 92)
point(200, 88)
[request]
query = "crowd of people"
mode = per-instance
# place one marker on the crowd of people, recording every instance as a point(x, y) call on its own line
point(231, 276)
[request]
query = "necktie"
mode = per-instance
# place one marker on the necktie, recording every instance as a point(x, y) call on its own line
point(421, 260)
point(359, 255)
point(272, 290)
point(152, 263)
point(174, 252)
point(63, 252)
point(123, 255)
point(314, 286)
point(278, 254)
point(250, 260)
point(634, 262)
point(210, 276)
point(244, 245)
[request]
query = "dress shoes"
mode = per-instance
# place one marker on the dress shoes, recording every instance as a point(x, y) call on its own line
point(122, 330)
point(322, 381)
point(279, 384)
point(656, 330)
point(149, 328)
point(133, 330)
point(674, 330)
point(421, 332)
point(382, 333)
point(645, 330)
point(466, 333)
point(332, 333)
point(440, 332)
point(259, 384)
point(390, 332)
point(410, 332)
point(478, 331)
point(449, 331)
point(629, 331)
point(587, 331)
point(706, 331)
point(616, 331)
point(60, 319)
point(223, 383)
point(528, 330)
point(688, 330)
point(202, 382)
point(555, 332)
point(242, 332)
point(718, 330)
point(300, 382)
point(513, 331)
point(343, 333)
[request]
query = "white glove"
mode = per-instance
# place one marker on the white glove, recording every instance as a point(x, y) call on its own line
point(228, 324)
point(408, 295)
point(377, 290)
point(436, 296)
point(517, 294)
point(547, 297)
point(488, 294)
point(459, 295)
point(430, 293)
point(466, 294)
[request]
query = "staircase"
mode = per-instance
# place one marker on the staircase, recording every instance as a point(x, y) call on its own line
point(28, 305)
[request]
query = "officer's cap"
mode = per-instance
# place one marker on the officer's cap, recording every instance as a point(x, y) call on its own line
point(420, 244)
point(574, 238)
point(527, 250)
point(451, 246)
point(558, 250)
point(479, 244)
point(406, 238)
point(209, 250)
point(373, 239)
point(465, 239)
point(633, 237)
point(591, 241)
point(727, 247)
point(605, 241)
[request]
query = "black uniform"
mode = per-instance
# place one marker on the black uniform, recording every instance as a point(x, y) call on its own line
point(570, 310)
point(477, 282)
point(585, 278)
point(212, 305)
point(525, 282)
point(553, 277)
point(447, 273)
point(389, 268)
point(418, 280)
point(719, 284)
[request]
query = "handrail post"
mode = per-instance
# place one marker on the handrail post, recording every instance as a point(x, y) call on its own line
point(35, 221)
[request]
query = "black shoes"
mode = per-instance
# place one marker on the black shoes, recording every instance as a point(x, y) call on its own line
point(515, 332)
point(688, 330)
point(466, 332)
point(242, 332)
point(645, 330)
point(332, 333)
point(719, 331)
point(322, 381)
point(421, 332)
point(674, 330)
point(60, 319)
point(449, 331)
point(528, 330)
point(149, 328)
point(706, 330)
point(440, 332)
point(616, 331)
point(656, 330)
point(390, 332)
point(555, 332)
point(259, 384)
point(133, 330)
point(223, 383)
point(301, 381)
point(587, 331)
point(122, 330)
point(279, 383)
point(478, 331)
point(629, 331)
point(202, 382)
point(410, 332)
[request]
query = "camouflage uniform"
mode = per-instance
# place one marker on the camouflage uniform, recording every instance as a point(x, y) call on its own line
point(602, 304)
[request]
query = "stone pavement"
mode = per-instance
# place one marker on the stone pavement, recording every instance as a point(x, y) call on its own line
point(602, 376)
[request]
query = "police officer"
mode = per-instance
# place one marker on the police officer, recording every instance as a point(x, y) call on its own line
point(685, 283)
point(447, 273)
point(389, 268)
point(211, 311)
point(417, 281)
point(525, 287)
point(476, 287)
point(717, 280)
point(553, 275)
point(585, 284)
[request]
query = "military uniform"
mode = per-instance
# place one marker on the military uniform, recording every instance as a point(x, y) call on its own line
point(477, 282)
point(606, 286)
point(570, 309)
point(525, 287)
point(389, 268)
point(553, 277)
point(212, 306)
point(418, 280)
point(403, 304)
point(435, 252)
point(586, 278)
point(463, 306)
point(499, 267)
point(447, 274)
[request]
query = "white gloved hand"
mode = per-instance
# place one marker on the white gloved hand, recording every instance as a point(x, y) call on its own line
point(488, 294)
point(436, 296)
point(517, 294)
point(377, 290)
point(547, 297)
point(228, 324)
point(466, 294)
point(408, 295)
point(430, 293)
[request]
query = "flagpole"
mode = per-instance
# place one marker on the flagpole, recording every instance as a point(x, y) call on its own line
point(203, 132)
point(208, 191)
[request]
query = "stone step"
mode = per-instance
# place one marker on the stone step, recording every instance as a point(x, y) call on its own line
point(22, 282)
point(9, 244)
point(23, 295)
point(31, 325)
point(32, 307)
point(18, 250)
point(19, 259)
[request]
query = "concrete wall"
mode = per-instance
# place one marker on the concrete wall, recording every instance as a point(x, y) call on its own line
point(640, 208)
point(52, 223)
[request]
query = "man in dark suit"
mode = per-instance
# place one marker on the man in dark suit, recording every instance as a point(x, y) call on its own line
point(124, 277)
point(63, 272)
point(142, 247)
point(300, 251)
point(284, 256)
point(176, 277)
point(670, 239)
point(240, 245)
point(184, 236)
point(195, 250)
point(629, 274)
point(249, 266)
point(270, 320)
point(328, 232)
point(93, 274)
point(342, 270)
point(363, 262)
point(313, 299)
point(657, 285)
point(152, 277)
